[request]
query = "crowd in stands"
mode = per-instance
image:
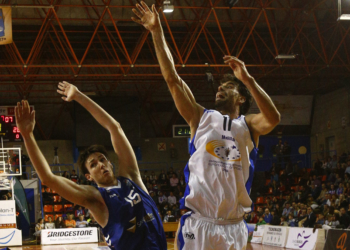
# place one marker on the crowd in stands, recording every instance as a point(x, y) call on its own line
point(318, 197)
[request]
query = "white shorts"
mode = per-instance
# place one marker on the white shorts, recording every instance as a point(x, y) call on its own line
point(197, 233)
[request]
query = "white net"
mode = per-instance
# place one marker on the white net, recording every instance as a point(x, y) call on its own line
point(10, 165)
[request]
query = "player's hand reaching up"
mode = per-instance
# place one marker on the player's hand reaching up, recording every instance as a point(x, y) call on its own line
point(238, 68)
point(25, 120)
point(146, 17)
point(69, 91)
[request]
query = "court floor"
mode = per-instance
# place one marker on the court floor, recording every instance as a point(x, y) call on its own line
point(103, 247)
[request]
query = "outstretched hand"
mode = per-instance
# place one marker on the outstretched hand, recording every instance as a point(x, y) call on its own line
point(146, 17)
point(25, 120)
point(69, 91)
point(238, 68)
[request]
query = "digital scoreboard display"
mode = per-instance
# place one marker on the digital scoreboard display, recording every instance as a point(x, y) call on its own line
point(8, 129)
point(181, 131)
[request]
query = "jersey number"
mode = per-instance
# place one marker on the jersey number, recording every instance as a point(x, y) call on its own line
point(133, 199)
point(227, 123)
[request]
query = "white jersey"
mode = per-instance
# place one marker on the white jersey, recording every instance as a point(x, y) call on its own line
point(220, 171)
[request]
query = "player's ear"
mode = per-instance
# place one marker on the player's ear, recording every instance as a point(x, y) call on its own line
point(88, 177)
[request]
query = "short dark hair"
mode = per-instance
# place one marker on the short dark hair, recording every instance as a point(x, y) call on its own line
point(86, 153)
point(242, 90)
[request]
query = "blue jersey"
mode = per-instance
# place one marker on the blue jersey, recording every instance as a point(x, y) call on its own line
point(133, 222)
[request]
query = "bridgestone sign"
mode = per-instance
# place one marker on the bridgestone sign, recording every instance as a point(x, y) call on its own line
point(69, 236)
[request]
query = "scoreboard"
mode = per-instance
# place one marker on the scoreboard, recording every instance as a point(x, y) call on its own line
point(8, 129)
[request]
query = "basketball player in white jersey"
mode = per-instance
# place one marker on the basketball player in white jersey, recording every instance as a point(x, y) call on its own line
point(223, 148)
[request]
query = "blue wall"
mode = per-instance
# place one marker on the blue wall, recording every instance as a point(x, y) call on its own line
point(266, 158)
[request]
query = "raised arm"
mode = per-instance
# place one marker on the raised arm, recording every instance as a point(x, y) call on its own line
point(127, 161)
point(269, 117)
point(185, 102)
point(80, 194)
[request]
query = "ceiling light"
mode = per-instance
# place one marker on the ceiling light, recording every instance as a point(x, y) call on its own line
point(342, 17)
point(167, 7)
point(285, 56)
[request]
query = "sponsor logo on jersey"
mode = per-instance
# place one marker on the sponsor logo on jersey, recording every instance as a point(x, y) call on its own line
point(113, 195)
point(147, 218)
point(225, 150)
point(189, 236)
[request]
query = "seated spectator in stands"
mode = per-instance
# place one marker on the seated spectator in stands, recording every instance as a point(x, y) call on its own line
point(281, 201)
point(253, 218)
point(93, 223)
point(145, 175)
point(154, 197)
point(320, 220)
point(74, 177)
point(174, 181)
point(347, 170)
point(338, 180)
point(283, 222)
point(268, 203)
point(66, 175)
point(79, 211)
point(59, 223)
point(274, 177)
point(317, 182)
point(311, 203)
point(182, 182)
point(344, 219)
point(49, 224)
point(267, 216)
point(169, 217)
point(260, 220)
point(70, 223)
point(326, 200)
point(39, 226)
point(295, 210)
point(162, 176)
point(162, 199)
point(332, 190)
point(171, 171)
point(152, 176)
point(340, 189)
point(155, 180)
point(347, 189)
point(287, 210)
point(302, 217)
point(175, 210)
point(171, 199)
point(291, 221)
point(322, 193)
point(81, 223)
point(315, 192)
point(331, 222)
point(276, 220)
point(310, 219)
point(342, 202)
point(165, 209)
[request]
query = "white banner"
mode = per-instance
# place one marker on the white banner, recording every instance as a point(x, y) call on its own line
point(7, 212)
point(69, 236)
point(258, 234)
point(10, 237)
point(275, 236)
point(302, 238)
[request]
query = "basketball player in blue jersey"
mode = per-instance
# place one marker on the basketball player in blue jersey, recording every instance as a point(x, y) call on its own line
point(121, 205)
point(223, 148)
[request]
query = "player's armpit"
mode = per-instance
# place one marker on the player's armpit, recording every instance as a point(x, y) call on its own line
point(259, 125)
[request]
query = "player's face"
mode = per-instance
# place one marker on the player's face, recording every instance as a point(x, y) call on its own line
point(100, 169)
point(227, 97)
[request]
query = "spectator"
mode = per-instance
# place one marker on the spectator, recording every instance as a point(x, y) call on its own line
point(310, 219)
point(70, 223)
point(168, 217)
point(320, 220)
point(291, 221)
point(162, 199)
point(347, 170)
point(59, 223)
point(162, 176)
point(344, 219)
point(79, 211)
point(260, 220)
point(322, 194)
point(66, 175)
point(81, 223)
point(276, 220)
point(174, 181)
point(182, 182)
point(332, 190)
point(49, 224)
point(253, 218)
point(338, 180)
point(74, 177)
point(283, 222)
point(267, 216)
point(332, 221)
point(39, 226)
point(302, 217)
point(93, 223)
point(326, 200)
point(317, 182)
point(170, 172)
point(152, 176)
point(340, 189)
point(287, 210)
point(154, 197)
point(171, 199)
